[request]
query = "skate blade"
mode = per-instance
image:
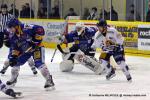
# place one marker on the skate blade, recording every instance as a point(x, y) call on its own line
point(18, 95)
point(111, 76)
point(129, 81)
point(50, 88)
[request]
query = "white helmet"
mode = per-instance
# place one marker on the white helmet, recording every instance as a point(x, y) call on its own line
point(81, 26)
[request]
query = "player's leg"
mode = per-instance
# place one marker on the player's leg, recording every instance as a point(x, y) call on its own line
point(105, 63)
point(14, 75)
point(16, 68)
point(8, 91)
point(120, 60)
point(5, 66)
point(32, 65)
point(39, 59)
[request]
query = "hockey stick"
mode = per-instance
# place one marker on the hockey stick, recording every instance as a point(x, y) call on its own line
point(66, 22)
point(5, 68)
point(53, 55)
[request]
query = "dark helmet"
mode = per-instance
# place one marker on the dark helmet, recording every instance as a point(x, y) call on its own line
point(102, 23)
point(4, 6)
point(13, 23)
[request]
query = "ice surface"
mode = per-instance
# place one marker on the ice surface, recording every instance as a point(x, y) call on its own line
point(77, 85)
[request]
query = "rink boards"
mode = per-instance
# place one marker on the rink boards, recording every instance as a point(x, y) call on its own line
point(129, 30)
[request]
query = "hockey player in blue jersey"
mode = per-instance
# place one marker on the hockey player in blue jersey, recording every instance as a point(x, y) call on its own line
point(82, 39)
point(6, 63)
point(26, 42)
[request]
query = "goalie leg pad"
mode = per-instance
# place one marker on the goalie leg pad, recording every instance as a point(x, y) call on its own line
point(90, 63)
point(66, 66)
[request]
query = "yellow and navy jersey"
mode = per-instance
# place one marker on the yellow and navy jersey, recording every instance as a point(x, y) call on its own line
point(26, 37)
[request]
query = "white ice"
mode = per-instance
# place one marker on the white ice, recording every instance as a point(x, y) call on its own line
point(77, 85)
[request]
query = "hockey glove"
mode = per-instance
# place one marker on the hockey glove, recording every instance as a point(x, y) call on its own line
point(13, 61)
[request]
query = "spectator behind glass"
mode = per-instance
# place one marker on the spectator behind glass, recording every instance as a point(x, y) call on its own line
point(71, 13)
point(54, 14)
point(56, 9)
point(41, 13)
point(16, 12)
point(86, 13)
point(23, 12)
point(130, 17)
point(105, 14)
point(148, 13)
point(114, 14)
point(93, 15)
point(27, 10)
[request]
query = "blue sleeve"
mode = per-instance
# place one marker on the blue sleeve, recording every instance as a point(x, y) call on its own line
point(90, 31)
point(14, 50)
point(69, 37)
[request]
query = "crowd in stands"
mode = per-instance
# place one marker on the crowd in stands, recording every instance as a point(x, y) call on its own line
point(89, 14)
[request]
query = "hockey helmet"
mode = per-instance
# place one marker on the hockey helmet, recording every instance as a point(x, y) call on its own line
point(102, 23)
point(13, 23)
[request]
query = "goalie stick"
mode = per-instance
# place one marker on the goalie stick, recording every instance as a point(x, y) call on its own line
point(66, 23)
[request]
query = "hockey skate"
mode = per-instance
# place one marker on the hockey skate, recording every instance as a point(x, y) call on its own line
point(49, 85)
point(111, 74)
point(12, 93)
point(34, 71)
point(129, 78)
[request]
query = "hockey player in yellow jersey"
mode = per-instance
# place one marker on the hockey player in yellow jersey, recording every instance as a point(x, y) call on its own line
point(111, 43)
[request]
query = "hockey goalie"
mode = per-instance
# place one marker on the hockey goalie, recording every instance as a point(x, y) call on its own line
point(81, 51)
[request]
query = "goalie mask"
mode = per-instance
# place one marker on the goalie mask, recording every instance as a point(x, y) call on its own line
point(79, 27)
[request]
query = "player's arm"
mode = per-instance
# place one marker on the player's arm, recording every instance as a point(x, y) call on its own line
point(14, 54)
point(38, 35)
point(69, 37)
point(119, 38)
point(91, 31)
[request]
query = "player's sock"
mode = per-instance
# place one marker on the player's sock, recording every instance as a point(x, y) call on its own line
point(46, 74)
point(125, 70)
point(32, 66)
point(14, 75)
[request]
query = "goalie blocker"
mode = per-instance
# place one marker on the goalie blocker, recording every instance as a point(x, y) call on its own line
point(89, 62)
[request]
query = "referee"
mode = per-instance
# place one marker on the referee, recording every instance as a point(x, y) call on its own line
point(4, 17)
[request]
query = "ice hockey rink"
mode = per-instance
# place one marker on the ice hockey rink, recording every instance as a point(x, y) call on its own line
point(81, 83)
